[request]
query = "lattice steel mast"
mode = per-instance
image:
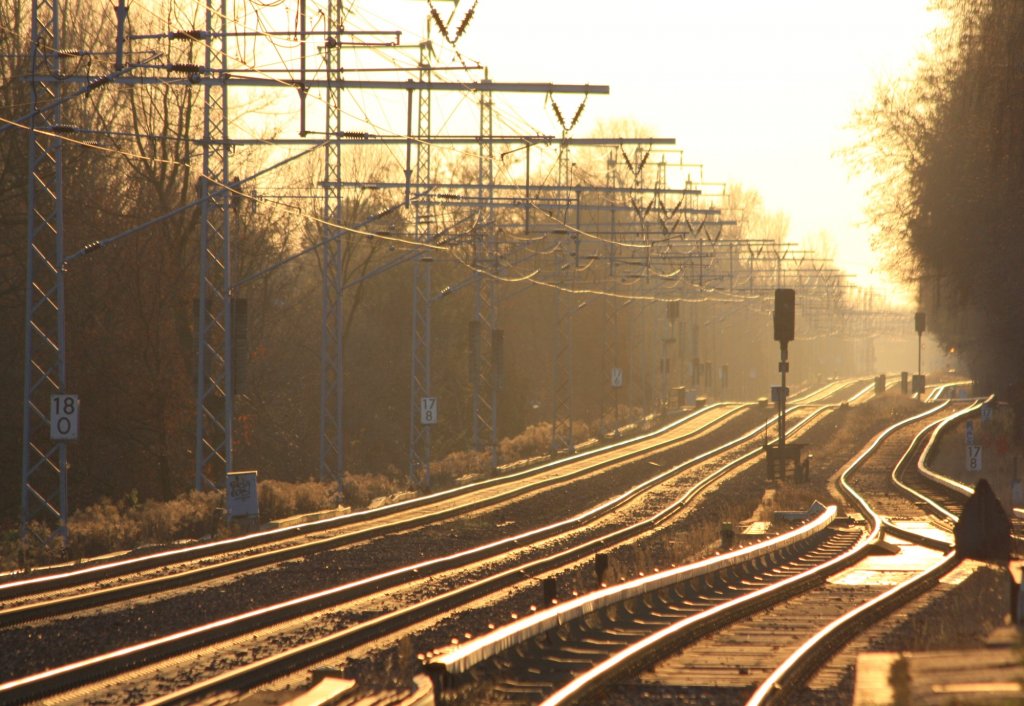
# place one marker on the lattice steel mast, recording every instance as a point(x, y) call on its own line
point(485, 367)
point(44, 467)
point(419, 426)
point(561, 364)
point(214, 374)
point(610, 364)
point(332, 263)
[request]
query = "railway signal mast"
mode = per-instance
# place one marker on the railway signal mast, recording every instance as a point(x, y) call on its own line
point(917, 384)
point(782, 455)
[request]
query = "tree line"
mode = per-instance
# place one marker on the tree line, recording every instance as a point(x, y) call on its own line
point(949, 146)
point(131, 306)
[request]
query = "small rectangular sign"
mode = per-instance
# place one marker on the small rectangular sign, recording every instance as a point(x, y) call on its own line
point(241, 494)
point(974, 459)
point(917, 384)
point(63, 417)
point(616, 377)
point(986, 413)
point(428, 410)
point(970, 432)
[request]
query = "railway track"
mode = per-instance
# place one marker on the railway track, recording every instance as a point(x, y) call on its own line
point(358, 525)
point(552, 673)
point(61, 593)
point(683, 611)
point(503, 571)
point(533, 670)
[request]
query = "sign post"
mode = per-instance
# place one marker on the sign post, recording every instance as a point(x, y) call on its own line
point(783, 323)
point(63, 417)
point(973, 450)
point(428, 410)
point(919, 326)
point(782, 456)
point(242, 498)
point(974, 459)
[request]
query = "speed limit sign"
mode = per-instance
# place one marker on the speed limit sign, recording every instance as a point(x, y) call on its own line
point(63, 417)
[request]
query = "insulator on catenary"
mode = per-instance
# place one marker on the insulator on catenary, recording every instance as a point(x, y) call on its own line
point(185, 68)
point(192, 35)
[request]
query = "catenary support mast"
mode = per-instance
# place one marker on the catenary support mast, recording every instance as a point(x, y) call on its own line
point(44, 468)
point(332, 264)
point(214, 374)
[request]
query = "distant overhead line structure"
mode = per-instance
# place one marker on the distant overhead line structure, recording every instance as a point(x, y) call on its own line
point(44, 492)
point(44, 466)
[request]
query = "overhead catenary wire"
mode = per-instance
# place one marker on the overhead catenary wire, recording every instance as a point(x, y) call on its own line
point(582, 232)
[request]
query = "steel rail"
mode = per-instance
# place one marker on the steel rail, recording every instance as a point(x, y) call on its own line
point(462, 658)
point(781, 684)
point(946, 483)
point(49, 581)
point(61, 678)
point(642, 652)
point(938, 390)
point(36, 685)
point(922, 463)
point(50, 608)
point(191, 577)
point(779, 687)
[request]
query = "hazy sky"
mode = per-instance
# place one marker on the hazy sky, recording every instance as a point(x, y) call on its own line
point(758, 92)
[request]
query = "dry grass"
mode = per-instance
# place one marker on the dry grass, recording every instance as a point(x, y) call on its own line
point(532, 441)
point(281, 499)
point(446, 472)
point(791, 496)
point(111, 526)
point(859, 422)
point(845, 433)
point(360, 489)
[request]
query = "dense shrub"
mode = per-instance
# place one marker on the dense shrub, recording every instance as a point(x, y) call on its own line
point(108, 526)
point(279, 499)
point(360, 489)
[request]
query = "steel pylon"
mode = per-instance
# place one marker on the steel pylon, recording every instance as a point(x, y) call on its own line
point(561, 384)
point(485, 365)
point(44, 469)
point(419, 427)
point(214, 375)
point(332, 455)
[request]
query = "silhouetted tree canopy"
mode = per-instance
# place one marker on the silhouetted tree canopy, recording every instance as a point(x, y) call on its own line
point(950, 205)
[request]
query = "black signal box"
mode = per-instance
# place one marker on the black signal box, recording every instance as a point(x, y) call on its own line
point(919, 322)
point(785, 313)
